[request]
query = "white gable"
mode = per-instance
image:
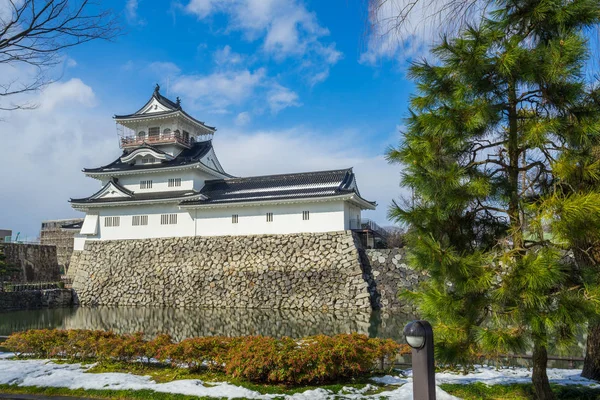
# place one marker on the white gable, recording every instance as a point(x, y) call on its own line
point(154, 107)
point(109, 191)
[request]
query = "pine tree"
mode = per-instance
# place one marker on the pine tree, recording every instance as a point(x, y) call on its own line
point(499, 125)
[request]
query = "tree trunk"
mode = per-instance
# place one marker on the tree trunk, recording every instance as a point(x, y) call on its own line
point(591, 364)
point(539, 376)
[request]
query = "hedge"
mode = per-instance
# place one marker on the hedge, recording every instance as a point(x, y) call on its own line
point(314, 359)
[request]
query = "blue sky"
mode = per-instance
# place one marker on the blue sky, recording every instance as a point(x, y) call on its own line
point(290, 85)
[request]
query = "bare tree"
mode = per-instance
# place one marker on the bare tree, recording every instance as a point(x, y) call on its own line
point(400, 17)
point(33, 33)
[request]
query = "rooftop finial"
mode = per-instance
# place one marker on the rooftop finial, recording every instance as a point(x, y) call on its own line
point(156, 88)
point(178, 102)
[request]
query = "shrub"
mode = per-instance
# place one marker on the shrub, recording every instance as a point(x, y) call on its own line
point(314, 359)
point(195, 352)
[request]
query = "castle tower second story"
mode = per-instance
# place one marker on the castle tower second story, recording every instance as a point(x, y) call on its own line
point(161, 123)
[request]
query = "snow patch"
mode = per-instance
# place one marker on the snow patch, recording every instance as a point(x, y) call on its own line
point(506, 376)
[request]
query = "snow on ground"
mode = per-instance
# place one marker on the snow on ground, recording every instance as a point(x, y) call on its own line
point(74, 376)
point(506, 376)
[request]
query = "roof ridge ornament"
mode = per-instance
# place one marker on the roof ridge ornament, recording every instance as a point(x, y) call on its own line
point(178, 102)
point(156, 89)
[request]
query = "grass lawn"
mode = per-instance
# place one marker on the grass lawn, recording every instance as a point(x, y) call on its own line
point(480, 391)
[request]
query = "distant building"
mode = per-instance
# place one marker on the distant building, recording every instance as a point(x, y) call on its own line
point(61, 233)
point(4, 233)
point(169, 182)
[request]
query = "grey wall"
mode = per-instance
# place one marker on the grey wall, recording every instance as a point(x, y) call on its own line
point(34, 262)
point(300, 271)
point(387, 273)
point(297, 271)
point(32, 299)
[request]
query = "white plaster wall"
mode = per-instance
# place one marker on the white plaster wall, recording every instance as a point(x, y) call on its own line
point(154, 229)
point(79, 242)
point(351, 213)
point(190, 179)
point(324, 217)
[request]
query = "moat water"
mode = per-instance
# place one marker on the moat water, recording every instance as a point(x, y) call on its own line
point(183, 323)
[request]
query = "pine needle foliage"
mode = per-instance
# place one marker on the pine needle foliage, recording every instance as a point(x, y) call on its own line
point(499, 136)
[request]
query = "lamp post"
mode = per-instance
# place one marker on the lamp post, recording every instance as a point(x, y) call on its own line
point(419, 336)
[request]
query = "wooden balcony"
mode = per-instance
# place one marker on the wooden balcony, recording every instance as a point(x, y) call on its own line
point(163, 138)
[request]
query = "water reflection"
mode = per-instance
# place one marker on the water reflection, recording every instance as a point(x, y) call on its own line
point(182, 323)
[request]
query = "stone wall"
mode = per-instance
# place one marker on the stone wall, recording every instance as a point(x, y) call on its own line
point(33, 299)
point(387, 273)
point(34, 262)
point(297, 271)
point(60, 233)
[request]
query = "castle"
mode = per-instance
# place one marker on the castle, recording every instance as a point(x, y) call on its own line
point(168, 182)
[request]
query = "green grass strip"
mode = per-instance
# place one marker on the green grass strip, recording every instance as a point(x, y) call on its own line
point(525, 391)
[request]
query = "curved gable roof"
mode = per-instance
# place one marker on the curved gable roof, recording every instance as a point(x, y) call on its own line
point(188, 156)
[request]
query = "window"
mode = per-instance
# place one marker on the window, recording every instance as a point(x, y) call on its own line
point(305, 215)
point(174, 182)
point(186, 136)
point(138, 220)
point(141, 135)
point(168, 219)
point(148, 160)
point(166, 131)
point(234, 219)
point(112, 221)
point(154, 131)
point(145, 184)
point(269, 217)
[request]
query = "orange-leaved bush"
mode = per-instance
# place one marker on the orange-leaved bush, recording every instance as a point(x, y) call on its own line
point(314, 359)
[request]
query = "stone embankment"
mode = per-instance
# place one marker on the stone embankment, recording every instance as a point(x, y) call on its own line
point(34, 262)
point(34, 299)
point(387, 273)
point(297, 271)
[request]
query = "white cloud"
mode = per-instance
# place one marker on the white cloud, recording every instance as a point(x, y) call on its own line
point(163, 69)
point(73, 91)
point(302, 149)
point(280, 97)
point(53, 144)
point(243, 118)
point(227, 57)
point(131, 12)
point(287, 28)
point(219, 90)
point(424, 21)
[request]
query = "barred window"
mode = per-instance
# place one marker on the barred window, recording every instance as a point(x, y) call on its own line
point(269, 217)
point(154, 131)
point(110, 222)
point(168, 219)
point(174, 182)
point(138, 220)
point(234, 219)
point(145, 184)
point(148, 160)
point(305, 215)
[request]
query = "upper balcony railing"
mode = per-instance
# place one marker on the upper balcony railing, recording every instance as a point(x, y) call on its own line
point(162, 138)
point(367, 225)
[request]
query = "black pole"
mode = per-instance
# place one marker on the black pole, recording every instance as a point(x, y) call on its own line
point(422, 361)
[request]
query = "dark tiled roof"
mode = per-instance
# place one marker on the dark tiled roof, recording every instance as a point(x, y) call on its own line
point(187, 156)
point(76, 225)
point(278, 187)
point(178, 194)
point(172, 107)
